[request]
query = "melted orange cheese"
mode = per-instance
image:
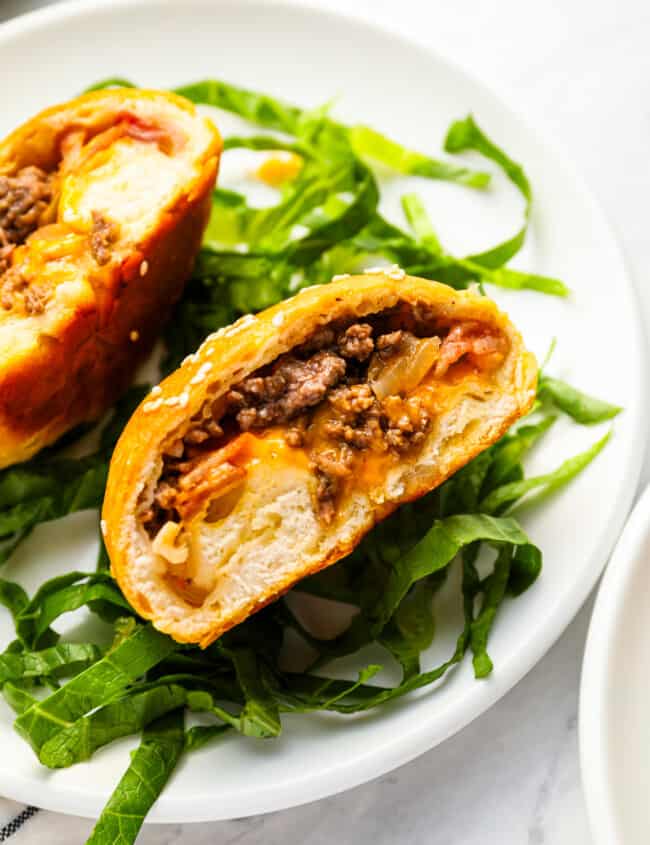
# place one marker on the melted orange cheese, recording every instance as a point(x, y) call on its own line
point(438, 395)
point(271, 448)
point(372, 470)
point(278, 169)
point(218, 477)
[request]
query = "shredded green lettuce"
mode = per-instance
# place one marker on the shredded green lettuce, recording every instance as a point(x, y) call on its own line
point(494, 591)
point(503, 497)
point(260, 109)
point(435, 551)
point(464, 135)
point(106, 678)
point(584, 409)
point(369, 143)
point(123, 717)
point(51, 485)
point(486, 267)
point(162, 745)
point(50, 662)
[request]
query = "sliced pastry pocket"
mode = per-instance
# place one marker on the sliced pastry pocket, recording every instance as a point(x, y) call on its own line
point(272, 451)
point(103, 204)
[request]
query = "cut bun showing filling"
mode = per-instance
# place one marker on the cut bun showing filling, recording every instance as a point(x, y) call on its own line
point(272, 451)
point(103, 204)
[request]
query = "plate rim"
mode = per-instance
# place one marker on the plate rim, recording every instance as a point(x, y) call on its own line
point(605, 619)
point(428, 735)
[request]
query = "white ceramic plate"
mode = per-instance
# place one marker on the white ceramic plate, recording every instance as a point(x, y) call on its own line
point(615, 693)
point(310, 56)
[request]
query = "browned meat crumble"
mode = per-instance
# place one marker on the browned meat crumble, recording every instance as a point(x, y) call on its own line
point(102, 237)
point(5, 255)
point(23, 200)
point(356, 342)
point(15, 291)
point(12, 283)
point(291, 387)
point(35, 298)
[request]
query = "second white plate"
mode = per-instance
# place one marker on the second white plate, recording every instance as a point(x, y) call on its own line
point(615, 693)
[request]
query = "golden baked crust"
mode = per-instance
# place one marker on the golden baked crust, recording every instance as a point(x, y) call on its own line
point(131, 173)
point(468, 426)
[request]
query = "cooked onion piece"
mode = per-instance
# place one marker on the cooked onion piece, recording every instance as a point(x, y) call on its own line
point(402, 370)
point(290, 443)
point(103, 203)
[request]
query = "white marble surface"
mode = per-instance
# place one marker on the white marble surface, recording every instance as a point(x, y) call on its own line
point(580, 71)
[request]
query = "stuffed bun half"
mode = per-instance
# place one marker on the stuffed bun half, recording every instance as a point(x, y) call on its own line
point(271, 451)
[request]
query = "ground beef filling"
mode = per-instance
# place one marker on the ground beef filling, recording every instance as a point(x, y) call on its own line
point(24, 199)
point(5, 255)
point(332, 368)
point(16, 293)
point(324, 395)
point(103, 236)
point(291, 388)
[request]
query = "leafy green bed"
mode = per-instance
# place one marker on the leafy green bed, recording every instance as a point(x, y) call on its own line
point(326, 222)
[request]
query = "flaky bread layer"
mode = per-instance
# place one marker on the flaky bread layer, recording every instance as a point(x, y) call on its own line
point(273, 538)
point(69, 362)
